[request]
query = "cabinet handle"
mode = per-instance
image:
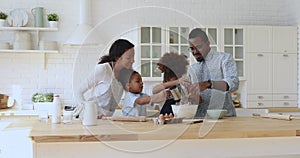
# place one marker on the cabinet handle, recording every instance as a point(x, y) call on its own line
point(286, 97)
point(285, 55)
point(260, 97)
point(286, 103)
point(260, 104)
point(260, 55)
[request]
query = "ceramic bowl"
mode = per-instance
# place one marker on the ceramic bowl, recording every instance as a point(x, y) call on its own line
point(216, 113)
point(185, 110)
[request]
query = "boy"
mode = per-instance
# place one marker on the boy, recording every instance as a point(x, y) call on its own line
point(135, 101)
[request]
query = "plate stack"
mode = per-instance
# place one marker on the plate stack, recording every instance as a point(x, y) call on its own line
point(22, 41)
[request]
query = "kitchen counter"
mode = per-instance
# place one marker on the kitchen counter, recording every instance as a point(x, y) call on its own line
point(229, 127)
point(231, 137)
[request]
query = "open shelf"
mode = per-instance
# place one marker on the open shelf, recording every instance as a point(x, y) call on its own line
point(27, 51)
point(28, 29)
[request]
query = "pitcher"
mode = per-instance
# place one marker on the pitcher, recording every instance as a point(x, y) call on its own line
point(38, 14)
point(89, 113)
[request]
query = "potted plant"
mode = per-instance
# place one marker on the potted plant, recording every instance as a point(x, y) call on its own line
point(53, 18)
point(3, 17)
point(42, 101)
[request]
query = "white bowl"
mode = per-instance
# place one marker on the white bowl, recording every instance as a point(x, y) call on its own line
point(184, 111)
point(216, 113)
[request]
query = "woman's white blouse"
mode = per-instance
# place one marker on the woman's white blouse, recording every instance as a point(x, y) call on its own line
point(106, 89)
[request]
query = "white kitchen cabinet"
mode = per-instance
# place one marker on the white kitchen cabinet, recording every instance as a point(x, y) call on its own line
point(285, 73)
point(285, 39)
point(233, 43)
point(152, 47)
point(259, 39)
point(259, 73)
point(271, 73)
point(178, 40)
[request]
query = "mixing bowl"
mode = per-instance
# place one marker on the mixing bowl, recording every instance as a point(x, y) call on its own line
point(216, 113)
point(185, 110)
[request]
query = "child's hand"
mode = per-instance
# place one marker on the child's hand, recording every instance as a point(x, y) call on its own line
point(185, 81)
point(159, 97)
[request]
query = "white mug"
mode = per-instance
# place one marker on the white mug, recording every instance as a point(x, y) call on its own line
point(89, 113)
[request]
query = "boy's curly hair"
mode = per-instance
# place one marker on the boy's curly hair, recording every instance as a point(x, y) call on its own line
point(173, 65)
point(125, 76)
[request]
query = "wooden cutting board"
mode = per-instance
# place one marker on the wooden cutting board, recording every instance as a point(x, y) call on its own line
point(4, 101)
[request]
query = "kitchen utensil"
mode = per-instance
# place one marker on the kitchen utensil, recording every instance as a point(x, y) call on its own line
point(167, 121)
point(38, 14)
point(6, 101)
point(67, 116)
point(17, 18)
point(216, 113)
point(278, 116)
point(127, 118)
point(89, 113)
point(185, 110)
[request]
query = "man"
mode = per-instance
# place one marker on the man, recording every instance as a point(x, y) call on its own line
point(213, 77)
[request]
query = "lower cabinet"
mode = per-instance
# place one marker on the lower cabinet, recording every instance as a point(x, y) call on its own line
point(271, 80)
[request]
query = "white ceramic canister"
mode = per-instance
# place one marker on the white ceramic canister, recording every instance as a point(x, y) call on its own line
point(89, 114)
point(22, 40)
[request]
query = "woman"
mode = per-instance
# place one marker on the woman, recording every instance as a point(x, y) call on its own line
point(107, 90)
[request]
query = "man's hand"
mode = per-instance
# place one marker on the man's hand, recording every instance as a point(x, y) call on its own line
point(198, 87)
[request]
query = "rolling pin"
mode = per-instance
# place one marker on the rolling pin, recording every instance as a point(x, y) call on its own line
point(276, 116)
point(127, 118)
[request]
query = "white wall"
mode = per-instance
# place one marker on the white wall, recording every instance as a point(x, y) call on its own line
point(115, 18)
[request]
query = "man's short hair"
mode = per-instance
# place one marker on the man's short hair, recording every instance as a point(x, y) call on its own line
point(197, 32)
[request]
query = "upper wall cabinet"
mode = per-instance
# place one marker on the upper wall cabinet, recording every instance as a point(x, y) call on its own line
point(233, 43)
point(178, 39)
point(285, 39)
point(151, 49)
point(260, 39)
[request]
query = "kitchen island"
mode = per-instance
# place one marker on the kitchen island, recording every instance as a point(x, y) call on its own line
point(228, 137)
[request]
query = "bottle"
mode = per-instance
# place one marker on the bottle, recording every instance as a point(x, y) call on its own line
point(56, 115)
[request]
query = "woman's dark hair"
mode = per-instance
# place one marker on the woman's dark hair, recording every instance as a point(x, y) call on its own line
point(117, 49)
point(173, 65)
point(197, 32)
point(125, 76)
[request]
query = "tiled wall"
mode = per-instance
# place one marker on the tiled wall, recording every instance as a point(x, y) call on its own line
point(62, 72)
